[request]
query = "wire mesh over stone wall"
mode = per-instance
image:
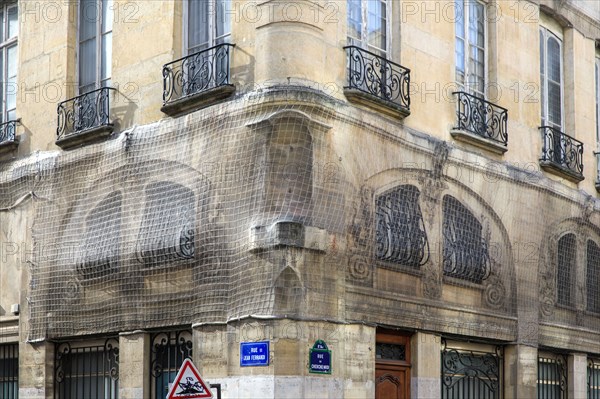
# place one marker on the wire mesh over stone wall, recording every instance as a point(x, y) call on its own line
point(290, 204)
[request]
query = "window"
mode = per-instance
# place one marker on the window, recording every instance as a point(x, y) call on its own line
point(471, 371)
point(368, 22)
point(567, 252)
point(168, 351)
point(552, 376)
point(95, 44)
point(9, 371)
point(8, 60)
point(90, 371)
point(208, 24)
point(593, 375)
point(551, 80)
point(470, 46)
point(401, 236)
point(465, 253)
point(593, 277)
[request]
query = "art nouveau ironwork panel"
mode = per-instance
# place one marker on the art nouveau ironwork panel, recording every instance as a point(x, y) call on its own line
point(384, 351)
point(562, 150)
point(86, 111)
point(481, 117)
point(198, 72)
point(378, 76)
point(400, 234)
point(470, 374)
point(168, 350)
point(567, 252)
point(552, 382)
point(8, 131)
point(87, 371)
point(465, 253)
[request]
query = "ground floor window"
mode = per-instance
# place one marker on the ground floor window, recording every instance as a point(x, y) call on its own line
point(167, 352)
point(471, 371)
point(552, 382)
point(87, 370)
point(9, 371)
point(593, 375)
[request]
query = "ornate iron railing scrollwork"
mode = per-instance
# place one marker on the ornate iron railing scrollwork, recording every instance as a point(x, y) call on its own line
point(375, 75)
point(169, 350)
point(481, 117)
point(562, 150)
point(198, 72)
point(86, 111)
point(8, 131)
point(471, 371)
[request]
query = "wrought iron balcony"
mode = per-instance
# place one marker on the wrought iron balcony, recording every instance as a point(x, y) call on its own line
point(376, 81)
point(562, 153)
point(483, 119)
point(201, 76)
point(8, 138)
point(84, 117)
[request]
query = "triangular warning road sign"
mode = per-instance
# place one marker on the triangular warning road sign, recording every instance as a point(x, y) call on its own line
point(188, 384)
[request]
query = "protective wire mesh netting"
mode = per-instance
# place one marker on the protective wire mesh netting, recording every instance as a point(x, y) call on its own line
point(287, 203)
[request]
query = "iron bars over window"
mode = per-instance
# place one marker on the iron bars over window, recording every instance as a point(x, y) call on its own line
point(197, 73)
point(85, 112)
point(377, 76)
point(481, 117)
point(562, 151)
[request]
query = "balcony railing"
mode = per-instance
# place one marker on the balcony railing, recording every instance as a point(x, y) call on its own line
point(378, 77)
point(562, 152)
point(197, 73)
point(83, 113)
point(8, 131)
point(482, 118)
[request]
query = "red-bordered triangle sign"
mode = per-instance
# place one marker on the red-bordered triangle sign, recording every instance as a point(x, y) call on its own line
point(188, 383)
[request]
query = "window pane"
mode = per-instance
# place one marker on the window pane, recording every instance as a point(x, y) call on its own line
point(593, 277)
point(106, 56)
point(566, 257)
point(198, 25)
point(13, 22)
point(223, 18)
point(107, 15)
point(87, 63)
point(354, 19)
point(89, 14)
point(554, 59)
point(11, 89)
point(554, 104)
point(477, 25)
point(542, 53)
point(376, 24)
point(459, 19)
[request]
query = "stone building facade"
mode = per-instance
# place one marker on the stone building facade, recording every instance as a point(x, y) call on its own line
point(413, 184)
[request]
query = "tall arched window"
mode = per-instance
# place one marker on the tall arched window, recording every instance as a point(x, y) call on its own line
point(169, 224)
point(566, 256)
point(401, 236)
point(100, 252)
point(593, 277)
point(465, 249)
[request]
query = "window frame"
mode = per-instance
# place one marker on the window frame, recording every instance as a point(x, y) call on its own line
point(98, 37)
point(547, 33)
point(5, 45)
point(212, 19)
point(363, 42)
point(465, 9)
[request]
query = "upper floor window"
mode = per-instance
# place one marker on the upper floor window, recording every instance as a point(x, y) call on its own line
point(95, 44)
point(368, 22)
point(465, 250)
point(8, 60)
point(470, 31)
point(208, 24)
point(551, 79)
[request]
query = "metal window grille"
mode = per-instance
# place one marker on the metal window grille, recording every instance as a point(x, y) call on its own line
point(470, 374)
point(593, 277)
point(168, 351)
point(552, 377)
point(593, 374)
point(401, 236)
point(9, 371)
point(90, 372)
point(465, 250)
point(567, 252)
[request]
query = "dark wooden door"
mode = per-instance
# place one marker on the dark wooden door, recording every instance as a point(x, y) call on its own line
point(392, 366)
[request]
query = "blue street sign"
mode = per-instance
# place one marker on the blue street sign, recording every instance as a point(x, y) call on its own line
point(320, 358)
point(254, 354)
